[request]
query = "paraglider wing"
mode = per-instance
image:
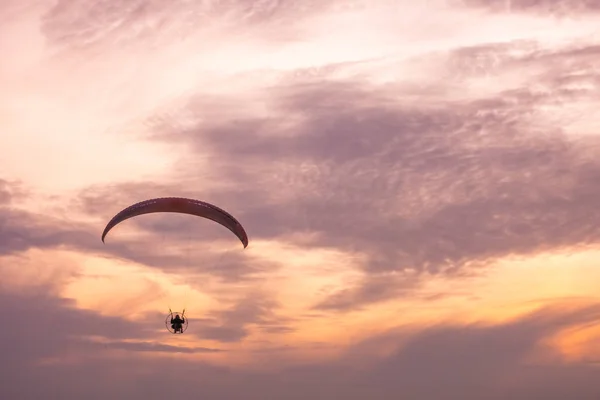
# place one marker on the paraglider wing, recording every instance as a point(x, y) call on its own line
point(183, 206)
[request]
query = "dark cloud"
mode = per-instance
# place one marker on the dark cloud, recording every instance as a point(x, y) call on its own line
point(22, 230)
point(430, 190)
point(80, 24)
point(255, 310)
point(191, 251)
point(148, 347)
point(11, 191)
point(412, 186)
point(40, 326)
point(42, 331)
point(187, 249)
point(442, 362)
point(372, 289)
point(559, 8)
point(5, 192)
point(495, 361)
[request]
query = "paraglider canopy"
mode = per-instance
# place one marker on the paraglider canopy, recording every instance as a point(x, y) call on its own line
point(183, 206)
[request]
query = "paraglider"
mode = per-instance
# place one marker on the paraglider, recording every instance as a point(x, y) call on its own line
point(183, 206)
point(176, 323)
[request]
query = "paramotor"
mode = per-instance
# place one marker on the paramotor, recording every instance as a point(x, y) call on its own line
point(176, 322)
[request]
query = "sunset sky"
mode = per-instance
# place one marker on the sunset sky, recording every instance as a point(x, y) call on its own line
point(419, 181)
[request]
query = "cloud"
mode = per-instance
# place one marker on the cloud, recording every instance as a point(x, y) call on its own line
point(425, 189)
point(412, 187)
point(43, 329)
point(554, 7)
point(41, 326)
point(193, 252)
point(11, 191)
point(80, 24)
point(495, 361)
point(254, 310)
point(148, 347)
point(183, 243)
point(372, 288)
point(428, 186)
point(367, 147)
point(5, 193)
point(22, 230)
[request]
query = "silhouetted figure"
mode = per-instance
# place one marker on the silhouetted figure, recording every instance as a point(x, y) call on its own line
point(177, 324)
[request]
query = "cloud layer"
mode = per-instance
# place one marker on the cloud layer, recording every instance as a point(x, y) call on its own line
point(419, 189)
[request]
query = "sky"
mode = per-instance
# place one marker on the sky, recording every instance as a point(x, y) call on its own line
point(419, 182)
